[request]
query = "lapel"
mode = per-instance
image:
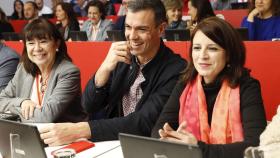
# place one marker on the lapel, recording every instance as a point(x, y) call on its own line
point(28, 82)
point(100, 30)
point(52, 81)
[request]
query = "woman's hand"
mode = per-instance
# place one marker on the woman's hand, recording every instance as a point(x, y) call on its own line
point(27, 108)
point(252, 14)
point(180, 135)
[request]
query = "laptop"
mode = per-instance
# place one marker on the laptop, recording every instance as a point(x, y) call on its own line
point(239, 5)
point(78, 35)
point(243, 32)
point(25, 141)
point(138, 147)
point(116, 35)
point(11, 36)
point(177, 35)
point(47, 16)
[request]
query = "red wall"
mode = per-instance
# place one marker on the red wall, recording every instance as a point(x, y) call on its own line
point(262, 59)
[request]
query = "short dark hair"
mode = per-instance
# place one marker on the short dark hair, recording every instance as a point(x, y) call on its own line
point(98, 4)
point(41, 28)
point(222, 33)
point(155, 5)
point(275, 7)
point(204, 9)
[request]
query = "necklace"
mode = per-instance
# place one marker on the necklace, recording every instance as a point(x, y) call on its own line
point(43, 87)
point(43, 84)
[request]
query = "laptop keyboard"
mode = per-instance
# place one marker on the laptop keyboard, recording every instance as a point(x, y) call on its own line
point(9, 116)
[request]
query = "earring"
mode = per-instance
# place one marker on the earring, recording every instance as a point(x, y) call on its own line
point(228, 65)
point(56, 49)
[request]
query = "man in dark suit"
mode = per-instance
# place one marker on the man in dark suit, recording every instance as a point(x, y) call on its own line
point(8, 64)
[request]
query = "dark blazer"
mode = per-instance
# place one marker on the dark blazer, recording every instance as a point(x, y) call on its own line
point(161, 75)
point(61, 100)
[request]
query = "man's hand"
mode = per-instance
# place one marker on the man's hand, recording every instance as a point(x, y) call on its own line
point(27, 108)
point(119, 52)
point(64, 133)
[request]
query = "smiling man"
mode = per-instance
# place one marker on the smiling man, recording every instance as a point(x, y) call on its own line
point(132, 84)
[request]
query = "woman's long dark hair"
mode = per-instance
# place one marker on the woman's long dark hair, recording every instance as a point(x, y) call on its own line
point(68, 9)
point(223, 34)
point(204, 9)
point(15, 13)
point(42, 29)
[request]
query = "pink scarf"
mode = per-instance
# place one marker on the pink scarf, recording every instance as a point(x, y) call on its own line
point(226, 126)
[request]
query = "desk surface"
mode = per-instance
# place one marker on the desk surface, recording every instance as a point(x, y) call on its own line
point(106, 149)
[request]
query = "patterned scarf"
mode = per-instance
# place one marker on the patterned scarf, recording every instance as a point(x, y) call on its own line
point(226, 124)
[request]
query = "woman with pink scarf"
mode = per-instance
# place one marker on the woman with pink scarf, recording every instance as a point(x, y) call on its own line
point(217, 105)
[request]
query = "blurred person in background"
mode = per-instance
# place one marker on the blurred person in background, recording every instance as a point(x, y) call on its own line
point(96, 26)
point(123, 8)
point(30, 11)
point(5, 25)
point(222, 4)
point(109, 7)
point(199, 10)
point(263, 21)
point(174, 14)
point(54, 4)
point(80, 7)
point(42, 8)
point(120, 23)
point(46, 86)
point(8, 64)
point(18, 10)
point(66, 18)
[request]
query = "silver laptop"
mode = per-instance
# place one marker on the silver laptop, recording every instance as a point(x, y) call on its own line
point(20, 141)
point(138, 147)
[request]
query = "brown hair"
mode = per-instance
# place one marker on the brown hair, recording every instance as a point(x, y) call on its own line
point(42, 29)
point(223, 34)
point(170, 4)
point(275, 7)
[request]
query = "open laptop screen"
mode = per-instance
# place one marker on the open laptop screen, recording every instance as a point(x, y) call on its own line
point(177, 34)
point(11, 36)
point(78, 35)
point(239, 5)
point(24, 140)
point(116, 35)
point(139, 147)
